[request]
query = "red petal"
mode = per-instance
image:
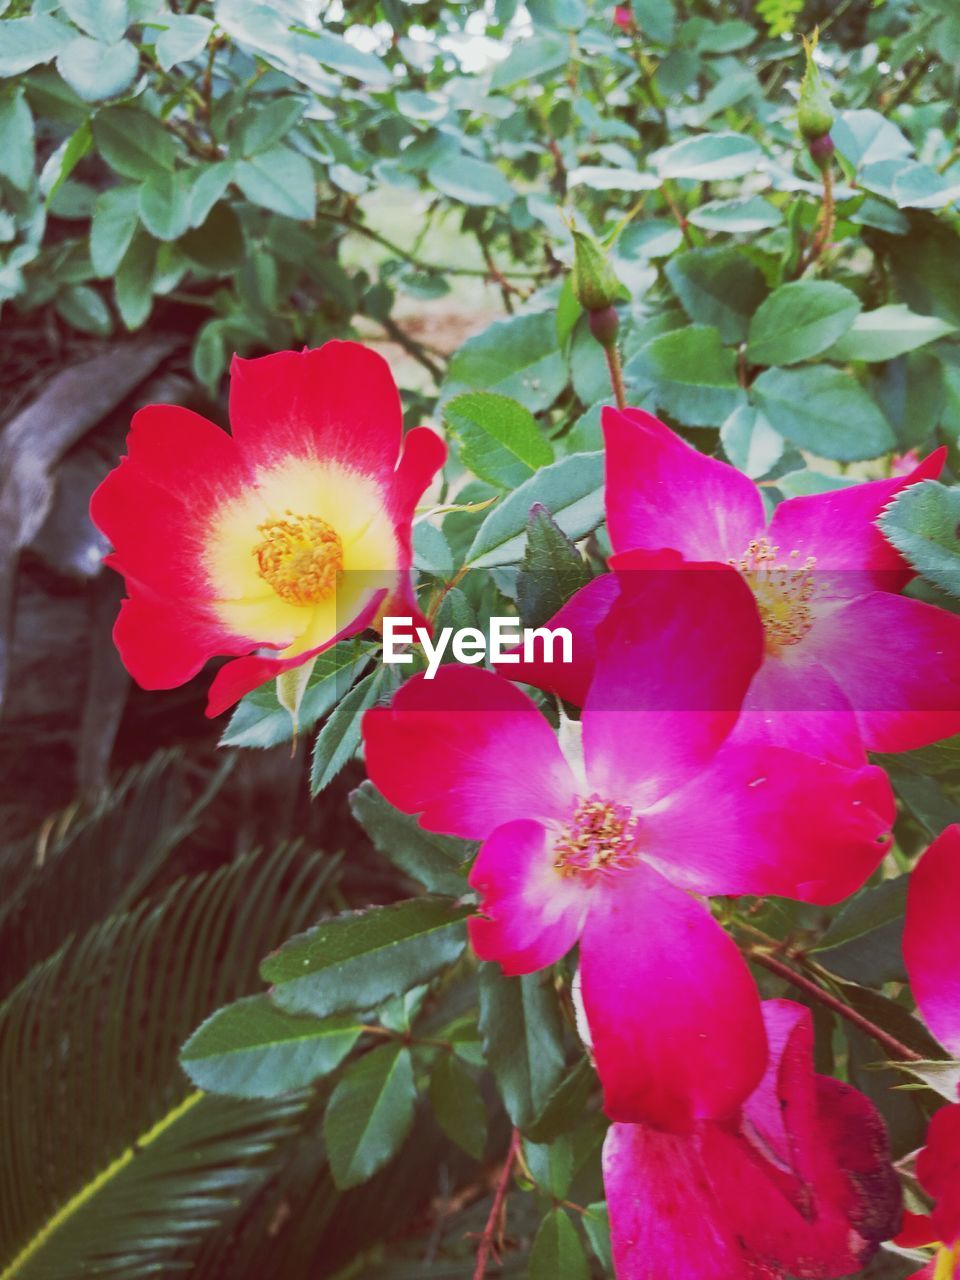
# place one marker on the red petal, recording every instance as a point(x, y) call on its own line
point(930, 937)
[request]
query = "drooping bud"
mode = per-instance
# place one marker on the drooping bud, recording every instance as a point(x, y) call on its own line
point(595, 285)
point(604, 325)
point(815, 115)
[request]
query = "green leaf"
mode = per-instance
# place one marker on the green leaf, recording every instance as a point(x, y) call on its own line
point(917, 186)
point(475, 182)
point(693, 376)
point(744, 214)
point(800, 320)
point(185, 37)
point(824, 410)
point(457, 1105)
point(517, 357)
point(565, 1107)
point(96, 71)
point(431, 551)
point(339, 54)
point(84, 309)
point(599, 178)
point(207, 186)
point(531, 58)
point(281, 180)
point(115, 218)
point(133, 282)
point(133, 143)
point(340, 736)
point(571, 490)
point(557, 1250)
point(552, 570)
point(500, 440)
point(369, 1114)
point(942, 1077)
point(431, 859)
point(264, 125)
point(30, 41)
point(165, 205)
point(217, 245)
point(926, 266)
point(105, 20)
point(523, 1040)
point(750, 442)
point(596, 1223)
point(16, 141)
point(58, 168)
point(358, 960)
point(863, 942)
point(720, 287)
point(252, 1049)
point(866, 137)
point(708, 157)
point(886, 333)
point(922, 524)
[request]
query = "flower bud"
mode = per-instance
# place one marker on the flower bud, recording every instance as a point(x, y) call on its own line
point(815, 115)
point(595, 286)
point(604, 325)
point(821, 149)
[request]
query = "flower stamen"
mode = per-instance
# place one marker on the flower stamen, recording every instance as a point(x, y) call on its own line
point(600, 836)
point(300, 557)
point(783, 589)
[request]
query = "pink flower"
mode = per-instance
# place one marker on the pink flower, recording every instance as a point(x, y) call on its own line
point(623, 17)
point(799, 1183)
point(606, 839)
point(933, 964)
point(849, 663)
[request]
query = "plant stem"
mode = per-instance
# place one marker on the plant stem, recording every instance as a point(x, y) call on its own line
point(888, 1042)
point(825, 224)
point(611, 351)
point(494, 1225)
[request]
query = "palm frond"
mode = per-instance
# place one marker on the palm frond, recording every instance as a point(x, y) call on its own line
point(112, 1166)
point(92, 861)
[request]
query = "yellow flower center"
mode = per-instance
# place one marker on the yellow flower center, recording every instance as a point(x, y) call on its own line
point(783, 589)
point(300, 556)
point(947, 1262)
point(600, 836)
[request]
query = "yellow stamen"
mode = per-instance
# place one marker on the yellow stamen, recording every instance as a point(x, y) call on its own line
point(300, 556)
point(601, 836)
point(783, 591)
point(948, 1262)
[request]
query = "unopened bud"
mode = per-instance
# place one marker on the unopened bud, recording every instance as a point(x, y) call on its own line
point(815, 115)
point(595, 285)
point(604, 325)
point(821, 149)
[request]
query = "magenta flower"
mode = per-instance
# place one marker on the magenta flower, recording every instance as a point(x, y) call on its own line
point(799, 1183)
point(848, 663)
point(930, 953)
point(605, 839)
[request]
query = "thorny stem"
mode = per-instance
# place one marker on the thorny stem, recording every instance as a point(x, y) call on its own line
point(447, 586)
point(888, 1042)
point(494, 1226)
point(825, 225)
point(612, 353)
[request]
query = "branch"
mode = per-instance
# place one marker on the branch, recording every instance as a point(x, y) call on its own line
point(494, 1225)
point(888, 1042)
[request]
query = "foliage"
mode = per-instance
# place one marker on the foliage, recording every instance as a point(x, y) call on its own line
point(242, 164)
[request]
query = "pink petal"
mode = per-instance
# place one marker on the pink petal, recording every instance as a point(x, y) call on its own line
point(673, 1012)
point(581, 615)
point(734, 828)
point(661, 492)
point(664, 1219)
point(898, 663)
point(795, 702)
point(938, 1171)
point(467, 751)
point(163, 646)
point(930, 937)
point(422, 456)
point(336, 402)
point(531, 915)
point(657, 710)
point(839, 528)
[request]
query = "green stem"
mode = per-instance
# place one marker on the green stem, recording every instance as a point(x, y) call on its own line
point(616, 374)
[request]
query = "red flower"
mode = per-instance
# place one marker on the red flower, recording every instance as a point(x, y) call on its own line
point(607, 839)
point(623, 17)
point(849, 663)
point(798, 1184)
point(287, 535)
point(931, 957)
